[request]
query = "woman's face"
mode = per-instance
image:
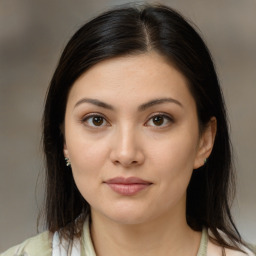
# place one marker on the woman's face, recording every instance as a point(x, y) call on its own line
point(132, 137)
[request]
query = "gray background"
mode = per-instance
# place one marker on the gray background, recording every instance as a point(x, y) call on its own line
point(32, 35)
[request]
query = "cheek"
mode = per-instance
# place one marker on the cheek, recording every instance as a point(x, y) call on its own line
point(174, 160)
point(174, 167)
point(177, 152)
point(87, 158)
point(85, 149)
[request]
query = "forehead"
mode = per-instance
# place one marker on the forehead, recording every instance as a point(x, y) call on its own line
point(134, 79)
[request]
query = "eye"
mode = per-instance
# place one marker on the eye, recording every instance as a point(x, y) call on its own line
point(95, 121)
point(159, 120)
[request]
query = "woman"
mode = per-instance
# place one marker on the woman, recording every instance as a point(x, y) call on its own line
point(136, 111)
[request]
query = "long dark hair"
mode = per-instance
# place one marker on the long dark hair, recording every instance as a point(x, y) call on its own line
point(132, 30)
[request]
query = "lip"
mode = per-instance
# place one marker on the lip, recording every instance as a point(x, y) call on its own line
point(127, 186)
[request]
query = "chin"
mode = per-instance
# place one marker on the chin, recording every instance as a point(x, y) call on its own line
point(128, 216)
point(129, 220)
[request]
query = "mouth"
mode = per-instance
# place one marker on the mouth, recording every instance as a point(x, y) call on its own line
point(127, 186)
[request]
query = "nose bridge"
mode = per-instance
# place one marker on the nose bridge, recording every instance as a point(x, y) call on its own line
point(126, 139)
point(126, 149)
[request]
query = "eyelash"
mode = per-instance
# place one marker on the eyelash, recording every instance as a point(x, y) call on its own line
point(166, 118)
point(94, 115)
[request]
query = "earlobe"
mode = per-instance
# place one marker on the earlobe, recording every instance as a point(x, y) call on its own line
point(66, 155)
point(206, 143)
point(65, 150)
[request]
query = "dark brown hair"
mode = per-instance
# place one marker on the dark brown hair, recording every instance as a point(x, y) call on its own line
point(132, 30)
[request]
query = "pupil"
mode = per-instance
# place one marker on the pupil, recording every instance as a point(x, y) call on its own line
point(158, 120)
point(97, 120)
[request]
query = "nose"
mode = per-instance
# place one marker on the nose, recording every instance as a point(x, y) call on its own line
point(126, 149)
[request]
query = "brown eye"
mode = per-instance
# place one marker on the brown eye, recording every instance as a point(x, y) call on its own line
point(159, 121)
point(95, 121)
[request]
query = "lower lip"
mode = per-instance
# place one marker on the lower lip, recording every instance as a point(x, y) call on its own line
point(127, 189)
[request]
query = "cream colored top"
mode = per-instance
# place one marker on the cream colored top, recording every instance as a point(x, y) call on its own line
point(41, 245)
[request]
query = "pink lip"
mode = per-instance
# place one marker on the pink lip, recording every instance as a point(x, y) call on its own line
point(127, 186)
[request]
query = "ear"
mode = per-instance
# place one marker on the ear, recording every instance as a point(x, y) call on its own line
point(65, 150)
point(206, 143)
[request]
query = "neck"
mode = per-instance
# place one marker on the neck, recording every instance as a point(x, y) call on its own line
point(161, 236)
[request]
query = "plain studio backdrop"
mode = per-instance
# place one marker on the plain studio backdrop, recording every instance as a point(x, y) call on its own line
point(32, 35)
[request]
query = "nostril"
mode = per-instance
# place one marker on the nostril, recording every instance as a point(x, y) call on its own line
point(126, 156)
point(125, 163)
point(116, 162)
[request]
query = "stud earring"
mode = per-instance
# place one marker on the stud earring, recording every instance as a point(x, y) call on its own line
point(205, 160)
point(67, 161)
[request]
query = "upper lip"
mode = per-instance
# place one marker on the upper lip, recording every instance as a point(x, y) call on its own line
point(129, 180)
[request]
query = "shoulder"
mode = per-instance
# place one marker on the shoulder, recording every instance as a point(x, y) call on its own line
point(237, 253)
point(40, 245)
point(215, 250)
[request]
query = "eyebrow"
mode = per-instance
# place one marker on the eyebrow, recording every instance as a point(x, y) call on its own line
point(94, 102)
point(157, 102)
point(140, 108)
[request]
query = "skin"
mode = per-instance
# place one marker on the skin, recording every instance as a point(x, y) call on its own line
point(128, 142)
